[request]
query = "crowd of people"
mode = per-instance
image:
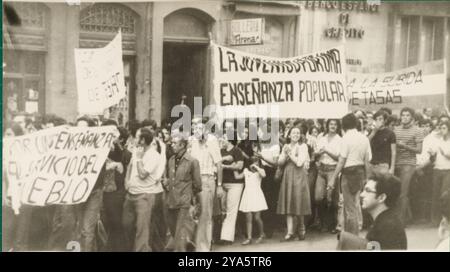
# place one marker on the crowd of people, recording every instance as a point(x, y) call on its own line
point(167, 190)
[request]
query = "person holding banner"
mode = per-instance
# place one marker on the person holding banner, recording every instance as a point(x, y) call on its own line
point(66, 217)
point(15, 227)
point(114, 192)
point(294, 197)
point(89, 211)
point(409, 144)
point(142, 184)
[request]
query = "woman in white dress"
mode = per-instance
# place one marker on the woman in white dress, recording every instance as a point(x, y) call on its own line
point(253, 201)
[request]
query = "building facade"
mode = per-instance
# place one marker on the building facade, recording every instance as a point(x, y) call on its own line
point(166, 51)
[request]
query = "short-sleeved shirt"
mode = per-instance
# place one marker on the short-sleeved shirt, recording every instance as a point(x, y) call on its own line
point(381, 146)
point(333, 145)
point(442, 161)
point(207, 154)
point(412, 136)
point(152, 183)
point(355, 148)
point(428, 146)
point(228, 175)
point(272, 151)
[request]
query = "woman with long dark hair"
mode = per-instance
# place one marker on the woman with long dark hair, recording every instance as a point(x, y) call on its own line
point(327, 154)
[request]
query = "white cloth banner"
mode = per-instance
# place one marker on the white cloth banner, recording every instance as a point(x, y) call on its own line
point(100, 77)
point(309, 86)
point(417, 87)
point(58, 165)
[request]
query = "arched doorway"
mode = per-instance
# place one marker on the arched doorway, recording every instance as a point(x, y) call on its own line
point(99, 23)
point(185, 59)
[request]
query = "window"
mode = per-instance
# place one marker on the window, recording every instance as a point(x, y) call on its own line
point(422, 39)
point(23, 85)
point(410, 39)
point(433, 29)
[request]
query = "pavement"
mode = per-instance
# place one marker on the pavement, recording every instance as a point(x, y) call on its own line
point(419, 237)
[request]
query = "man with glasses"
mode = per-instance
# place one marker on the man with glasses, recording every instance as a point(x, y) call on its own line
point(379, 197)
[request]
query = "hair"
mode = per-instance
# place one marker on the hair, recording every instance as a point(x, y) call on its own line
point(427, 122)
point(338, 124)
point(447, 124)
point(89, 121)
point(133, 125)
point(302, 135)
point(123, 134)
point(297, 122)
point(360, 110)
point(183, 140)
point(16, 129)
point(391, 119)
point(387, 184)
point(349, 121)
point(407, 109)
point(49, 118)
point(110, 122)
point(381, 113)
point(387, 110)
point(281, 125)
point(149, 123)
point(146, 135)
point(256, 160)
point(29, 121)
point(418, 117)
point(312, 128)
point(444, 203)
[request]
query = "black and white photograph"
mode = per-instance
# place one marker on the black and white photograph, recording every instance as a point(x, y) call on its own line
point(225, 126)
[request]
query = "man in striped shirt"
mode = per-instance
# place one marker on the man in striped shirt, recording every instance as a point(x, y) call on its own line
point(409, 144)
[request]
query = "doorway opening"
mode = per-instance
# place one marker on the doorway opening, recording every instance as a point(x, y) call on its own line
point(184, 76)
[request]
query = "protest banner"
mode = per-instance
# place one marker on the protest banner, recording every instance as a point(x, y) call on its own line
point(58, 165)
point(417, 87)
point(309, 86)
point(100, 77)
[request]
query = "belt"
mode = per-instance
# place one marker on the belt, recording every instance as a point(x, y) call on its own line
point(352, 168)
point(327, 167)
